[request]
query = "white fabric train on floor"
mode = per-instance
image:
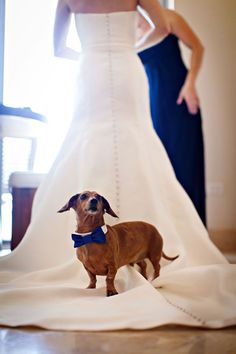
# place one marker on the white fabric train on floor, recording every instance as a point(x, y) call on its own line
point(111, 148)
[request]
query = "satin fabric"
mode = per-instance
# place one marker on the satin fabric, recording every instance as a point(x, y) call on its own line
point(112, 148)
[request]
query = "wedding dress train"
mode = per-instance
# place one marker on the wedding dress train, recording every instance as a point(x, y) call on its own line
point(112, 148)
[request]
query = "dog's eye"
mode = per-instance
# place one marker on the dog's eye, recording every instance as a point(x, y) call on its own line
point(83, 196)
point(98, 197)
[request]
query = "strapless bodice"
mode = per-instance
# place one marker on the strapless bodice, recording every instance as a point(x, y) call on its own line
point(164, 62)
point(116, 29)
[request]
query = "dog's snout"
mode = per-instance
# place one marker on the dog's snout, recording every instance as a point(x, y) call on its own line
point(93, 204)
point(93, 201)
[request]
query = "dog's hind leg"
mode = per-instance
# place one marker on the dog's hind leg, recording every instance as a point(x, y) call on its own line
point(93, 280)
point(143, 268)
point(155, 260)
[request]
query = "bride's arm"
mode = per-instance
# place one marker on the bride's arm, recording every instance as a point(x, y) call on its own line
point(61, 29)
point(156, 14)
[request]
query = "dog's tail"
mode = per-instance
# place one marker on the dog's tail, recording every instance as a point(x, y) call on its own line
point(169, 258)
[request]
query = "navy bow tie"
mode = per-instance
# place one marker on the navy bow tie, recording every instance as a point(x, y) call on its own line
point(96, 236)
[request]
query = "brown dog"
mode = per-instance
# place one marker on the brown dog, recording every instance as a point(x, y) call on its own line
point(104, 251)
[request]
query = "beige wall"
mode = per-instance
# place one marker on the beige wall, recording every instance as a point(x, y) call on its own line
point(215, 23)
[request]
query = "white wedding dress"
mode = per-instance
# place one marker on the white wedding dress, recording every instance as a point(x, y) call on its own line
point(111, 148)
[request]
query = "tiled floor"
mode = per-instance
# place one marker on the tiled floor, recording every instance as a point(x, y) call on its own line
point(177, 340)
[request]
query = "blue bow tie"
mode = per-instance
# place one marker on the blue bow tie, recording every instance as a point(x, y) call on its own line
point(96, 236)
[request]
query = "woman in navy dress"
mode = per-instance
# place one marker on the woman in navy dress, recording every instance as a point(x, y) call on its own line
point(174, 102)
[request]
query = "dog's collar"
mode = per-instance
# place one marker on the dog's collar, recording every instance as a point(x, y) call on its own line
point(97, 236)
point(104, 229)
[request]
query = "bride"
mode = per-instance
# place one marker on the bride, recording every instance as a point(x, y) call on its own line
point(111, 147)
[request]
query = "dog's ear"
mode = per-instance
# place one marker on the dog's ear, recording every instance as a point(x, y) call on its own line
point(107, 208)
point(71, 204)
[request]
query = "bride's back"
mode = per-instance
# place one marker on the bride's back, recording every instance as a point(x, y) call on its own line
point(96, 6)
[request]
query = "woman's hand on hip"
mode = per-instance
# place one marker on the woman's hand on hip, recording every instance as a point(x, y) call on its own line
point(188, 94)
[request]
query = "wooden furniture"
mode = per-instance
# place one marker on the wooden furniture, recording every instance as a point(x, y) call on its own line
point(23, 186)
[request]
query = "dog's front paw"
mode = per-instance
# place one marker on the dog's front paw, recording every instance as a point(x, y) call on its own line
point(91, 286)
point(111, 292)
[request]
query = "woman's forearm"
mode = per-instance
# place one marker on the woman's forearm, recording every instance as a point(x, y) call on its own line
point(195, 63)
point(60, 33)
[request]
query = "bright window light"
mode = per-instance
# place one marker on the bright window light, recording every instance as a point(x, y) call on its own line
point(33, 77)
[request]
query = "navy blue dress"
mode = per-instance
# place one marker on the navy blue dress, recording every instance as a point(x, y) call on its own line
point(179, 131)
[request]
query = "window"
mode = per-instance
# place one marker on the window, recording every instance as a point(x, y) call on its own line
point(34, 78)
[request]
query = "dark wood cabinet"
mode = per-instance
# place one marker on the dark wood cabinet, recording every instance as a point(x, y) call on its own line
point(22, 199)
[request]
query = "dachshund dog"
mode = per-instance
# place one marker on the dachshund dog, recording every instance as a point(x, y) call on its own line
point(103, 249)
